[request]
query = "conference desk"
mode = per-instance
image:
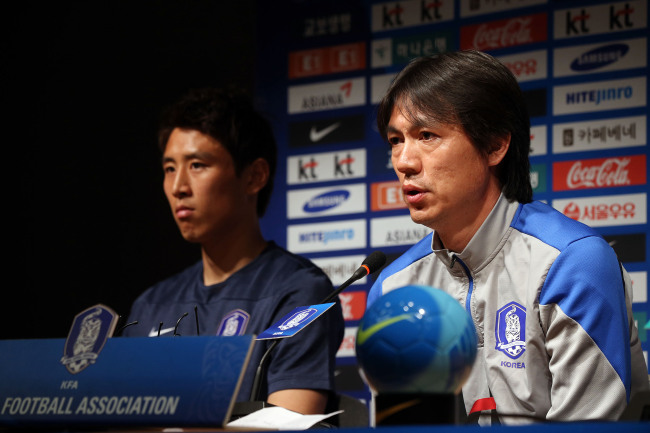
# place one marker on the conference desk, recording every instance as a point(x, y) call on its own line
point(578, 427)
point(188, 368)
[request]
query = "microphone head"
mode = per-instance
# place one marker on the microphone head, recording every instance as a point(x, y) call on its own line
point(374, 261)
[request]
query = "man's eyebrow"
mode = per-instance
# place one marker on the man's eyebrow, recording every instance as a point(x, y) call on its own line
point(194, 155)
point(416, 123)
point(390, 128)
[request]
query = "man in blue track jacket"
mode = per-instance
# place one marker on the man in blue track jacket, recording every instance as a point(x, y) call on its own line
point(549, 299)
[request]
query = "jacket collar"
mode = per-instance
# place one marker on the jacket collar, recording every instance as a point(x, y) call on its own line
point(486, 242)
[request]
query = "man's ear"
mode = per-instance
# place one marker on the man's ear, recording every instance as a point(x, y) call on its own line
point(258, 175)
point(499, 149)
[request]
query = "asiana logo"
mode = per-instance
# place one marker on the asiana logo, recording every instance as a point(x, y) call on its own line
point(510, 330)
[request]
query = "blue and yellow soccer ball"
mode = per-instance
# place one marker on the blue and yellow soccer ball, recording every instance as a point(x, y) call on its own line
point(416, 339)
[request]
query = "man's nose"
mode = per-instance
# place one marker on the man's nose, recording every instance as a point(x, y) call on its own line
point(181, 186)
point(407, 160)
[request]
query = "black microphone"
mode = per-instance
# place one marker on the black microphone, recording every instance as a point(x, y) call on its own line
point(371, 264)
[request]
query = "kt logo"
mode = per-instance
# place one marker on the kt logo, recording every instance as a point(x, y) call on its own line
point(307, 170)
point(340, 164)
point(573, 21)
point(614, 17)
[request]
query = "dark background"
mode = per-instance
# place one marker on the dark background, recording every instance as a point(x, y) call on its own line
point(86, 220)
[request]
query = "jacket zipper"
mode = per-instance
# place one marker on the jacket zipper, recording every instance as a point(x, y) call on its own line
point(468, 300)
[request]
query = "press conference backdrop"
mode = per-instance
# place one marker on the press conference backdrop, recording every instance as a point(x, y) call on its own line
point(323, 66)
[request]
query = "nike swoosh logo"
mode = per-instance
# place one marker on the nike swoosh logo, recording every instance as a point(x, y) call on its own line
point(154, 331)
point(316, 135)
point(364, 334)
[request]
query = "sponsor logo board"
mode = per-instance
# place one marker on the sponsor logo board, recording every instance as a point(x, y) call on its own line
point(353, 304)
point(599, 96)
point(328, 236)
point(316, 202)
point(538, 177)
point(326, 166)
point(504, 33)
point(340, 268)
point(410, 13)
point(527, 66)
point(327, 130)
point(327, 60)
point(538, 140)
point(386, 196)
point(379, 85)
point(610, 210)
point(603, 57)
point(599, 134)
point(470, 8)
point(639, 286)
point(330, 95)
point(599, 19)
point(398, 230)
point(347, 348)
point(331, 20)
point(599, 173)
point(400, 50)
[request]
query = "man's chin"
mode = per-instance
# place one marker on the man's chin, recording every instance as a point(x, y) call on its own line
point(419, 217)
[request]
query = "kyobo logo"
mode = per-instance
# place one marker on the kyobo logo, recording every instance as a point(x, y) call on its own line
point(326, 201)
point(599, 57)
point(327, 236)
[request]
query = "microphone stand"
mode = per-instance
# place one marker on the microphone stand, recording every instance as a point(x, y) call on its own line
point(371, 264)
point(261, 368)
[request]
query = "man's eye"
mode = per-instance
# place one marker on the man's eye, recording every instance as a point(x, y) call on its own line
point(196, 165)
point(427, 135)
point(168, 169)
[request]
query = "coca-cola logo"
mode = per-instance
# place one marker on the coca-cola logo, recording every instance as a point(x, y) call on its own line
point(599, 173)
point(612, 172)
point(515, 32)
point(504, 33)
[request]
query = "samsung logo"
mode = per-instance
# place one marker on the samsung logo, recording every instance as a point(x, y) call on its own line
point(599, 57)
point(326, 201)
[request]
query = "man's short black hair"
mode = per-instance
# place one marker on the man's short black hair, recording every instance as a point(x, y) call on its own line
point(229, 117)
point(475, 91)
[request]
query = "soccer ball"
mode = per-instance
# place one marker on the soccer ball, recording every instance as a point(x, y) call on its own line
point(416, 339)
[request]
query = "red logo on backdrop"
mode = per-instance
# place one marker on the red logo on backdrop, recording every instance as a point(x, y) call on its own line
point(602, 211)
point(328, 60)
point(599, 173)
point(504, 33)
point(353, 304)
point(348, 344)
point(386, 195)
point(523, 68)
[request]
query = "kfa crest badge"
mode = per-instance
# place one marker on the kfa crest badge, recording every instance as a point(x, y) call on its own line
point(233, 323)
point(510, 330)
point(88, 334)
